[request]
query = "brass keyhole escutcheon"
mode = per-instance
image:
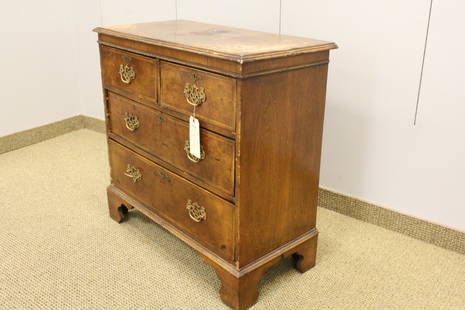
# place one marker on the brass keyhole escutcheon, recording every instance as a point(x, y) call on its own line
point(195, 76)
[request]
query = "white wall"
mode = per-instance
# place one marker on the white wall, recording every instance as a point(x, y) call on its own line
point(87, 73)
point(371, 148)
point(261, 15)
point(37, 61)
point(436, 163)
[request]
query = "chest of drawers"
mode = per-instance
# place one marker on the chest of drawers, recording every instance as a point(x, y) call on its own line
point(250, 198)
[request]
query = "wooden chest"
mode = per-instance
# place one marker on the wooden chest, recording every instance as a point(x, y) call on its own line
point(251, 197)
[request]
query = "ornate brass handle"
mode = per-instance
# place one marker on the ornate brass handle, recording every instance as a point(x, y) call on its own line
point(133, 173)
point(194, 95)
point(126, 73)
point(191, 157)
point(196, 212)
point(132, 121)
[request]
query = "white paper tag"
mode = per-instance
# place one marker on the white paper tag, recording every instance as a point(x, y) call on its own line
point(194, 136)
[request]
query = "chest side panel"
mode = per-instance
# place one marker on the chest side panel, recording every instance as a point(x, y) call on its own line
point(279, 162)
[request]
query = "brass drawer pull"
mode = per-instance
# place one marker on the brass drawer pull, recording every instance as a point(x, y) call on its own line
point(191, 157)
point(126, 73)
point(133, 173)
point(194, 95)
point(131, 120)
point(196, 212)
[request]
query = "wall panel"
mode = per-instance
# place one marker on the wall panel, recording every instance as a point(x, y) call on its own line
point(136, 11)
point(258, 15)
point(38, 83)
point(438, 155)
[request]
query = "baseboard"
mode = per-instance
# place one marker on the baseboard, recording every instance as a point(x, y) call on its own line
point(94, 124)
point(35, 135)
point(439, 235)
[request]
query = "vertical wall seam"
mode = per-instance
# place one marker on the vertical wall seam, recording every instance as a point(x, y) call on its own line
point(176, 8)
point(422, 64)
point(280, 8)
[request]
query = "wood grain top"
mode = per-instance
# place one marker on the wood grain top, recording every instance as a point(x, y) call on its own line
point(216, 41)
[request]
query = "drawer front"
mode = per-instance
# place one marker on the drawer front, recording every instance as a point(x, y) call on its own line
point(213, 95)
point(129, 74)
point(166, 137)
point(202, 215)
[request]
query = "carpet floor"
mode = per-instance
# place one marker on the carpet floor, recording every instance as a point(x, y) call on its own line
point(60, 250)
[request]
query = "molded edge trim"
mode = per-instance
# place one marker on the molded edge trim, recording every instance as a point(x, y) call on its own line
point(215, 54)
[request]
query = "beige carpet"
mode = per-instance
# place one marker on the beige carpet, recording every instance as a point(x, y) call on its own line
point(60, 250)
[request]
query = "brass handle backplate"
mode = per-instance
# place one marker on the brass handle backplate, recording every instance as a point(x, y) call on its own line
point(196, 212)
point(132, 121)
point(126, 73)
point(194, 95)
point(191, 157)
point(133, 173)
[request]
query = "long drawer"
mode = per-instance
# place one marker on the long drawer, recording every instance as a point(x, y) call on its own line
point(166, 138)
point(194, 210)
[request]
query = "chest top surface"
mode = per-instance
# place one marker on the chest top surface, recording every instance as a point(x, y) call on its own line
point(216, 41)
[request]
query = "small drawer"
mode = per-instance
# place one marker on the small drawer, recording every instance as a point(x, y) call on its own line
point(194, 210)
point(165, 137)
point(213, 95)
point(129, 74)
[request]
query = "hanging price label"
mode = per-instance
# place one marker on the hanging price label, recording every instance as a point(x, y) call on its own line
point(194, 136)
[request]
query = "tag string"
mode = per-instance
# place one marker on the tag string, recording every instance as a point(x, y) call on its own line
point(193, 114)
